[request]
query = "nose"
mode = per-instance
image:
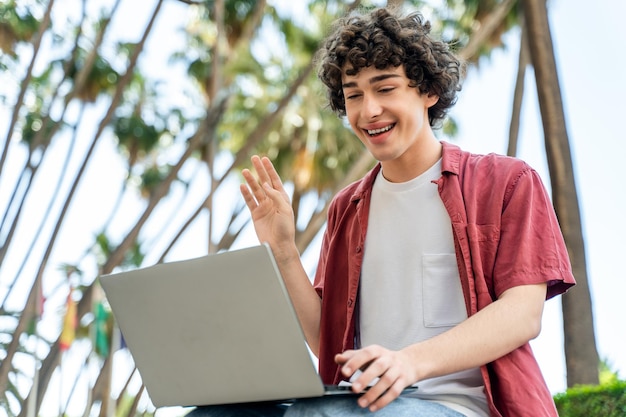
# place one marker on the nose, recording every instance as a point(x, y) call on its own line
point(371, 107)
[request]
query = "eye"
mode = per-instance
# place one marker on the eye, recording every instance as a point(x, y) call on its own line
point(352, 96)
point(386, 90)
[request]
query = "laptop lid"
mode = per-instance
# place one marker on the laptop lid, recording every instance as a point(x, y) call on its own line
point(213, 330)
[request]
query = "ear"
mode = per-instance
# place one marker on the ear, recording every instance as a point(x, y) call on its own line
point(431, 100)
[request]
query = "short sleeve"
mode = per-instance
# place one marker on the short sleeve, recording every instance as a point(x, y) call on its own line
point(531, 248)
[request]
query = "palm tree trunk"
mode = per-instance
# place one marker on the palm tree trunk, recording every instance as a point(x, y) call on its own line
point(49, 363)
point(581, 354)
point(30, 312)
point(518, 94)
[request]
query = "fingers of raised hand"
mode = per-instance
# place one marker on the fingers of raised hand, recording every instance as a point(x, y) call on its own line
point(272, 174)
point(259, 169)
point(247, 196)
point(252, 191)
point(265, 174)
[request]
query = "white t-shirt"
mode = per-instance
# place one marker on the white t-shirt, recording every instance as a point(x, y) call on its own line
point(410, 288)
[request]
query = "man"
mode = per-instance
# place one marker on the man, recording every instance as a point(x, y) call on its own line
point(435, 266)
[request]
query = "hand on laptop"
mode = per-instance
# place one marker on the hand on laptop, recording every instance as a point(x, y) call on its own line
point(386, 372)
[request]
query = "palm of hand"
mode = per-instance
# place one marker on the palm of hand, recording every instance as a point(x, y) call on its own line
point(273, 219)
point(268, 203)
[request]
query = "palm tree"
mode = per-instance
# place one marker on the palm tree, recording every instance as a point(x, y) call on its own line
point(243, 97)
point(581, 354)
point(124, 115)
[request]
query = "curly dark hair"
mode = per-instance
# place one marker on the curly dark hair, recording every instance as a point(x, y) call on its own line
point(383, 38)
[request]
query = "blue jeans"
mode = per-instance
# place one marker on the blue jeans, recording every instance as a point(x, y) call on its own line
point(328, 407)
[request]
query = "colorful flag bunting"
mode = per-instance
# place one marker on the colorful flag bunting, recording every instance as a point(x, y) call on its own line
point(68, 333)
point(102, 325)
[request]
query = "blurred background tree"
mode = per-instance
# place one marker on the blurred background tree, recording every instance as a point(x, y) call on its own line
point(244, 83)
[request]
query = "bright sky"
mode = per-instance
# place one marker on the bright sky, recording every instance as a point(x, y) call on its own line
point(588, 42)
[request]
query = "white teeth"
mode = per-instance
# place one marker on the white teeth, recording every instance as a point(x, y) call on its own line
point(381, 130)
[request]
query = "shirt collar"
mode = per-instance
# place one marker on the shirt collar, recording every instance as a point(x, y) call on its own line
point(451, 157)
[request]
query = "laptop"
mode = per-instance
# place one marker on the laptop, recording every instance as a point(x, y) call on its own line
point(216, 329)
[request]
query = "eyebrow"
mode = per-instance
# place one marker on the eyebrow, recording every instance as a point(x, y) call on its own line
point(372, 80)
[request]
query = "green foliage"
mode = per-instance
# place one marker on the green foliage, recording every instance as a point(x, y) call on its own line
point(16, 25)
point(101, 78)
point(33, 123)
point(607, 374)
point(136, 136)
point(606, 400)
point(462, 17)
point(103, 247)
point(125, 408)
point(152, 177)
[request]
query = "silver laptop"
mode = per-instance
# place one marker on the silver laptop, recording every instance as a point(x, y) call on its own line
point(214, 330)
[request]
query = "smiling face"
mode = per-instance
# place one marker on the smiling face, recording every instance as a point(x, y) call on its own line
point(391, 119)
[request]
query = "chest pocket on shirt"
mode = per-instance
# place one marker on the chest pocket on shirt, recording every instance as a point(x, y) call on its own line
point(442, 296)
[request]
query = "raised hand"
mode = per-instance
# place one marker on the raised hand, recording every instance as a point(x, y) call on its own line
point(269, 206)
